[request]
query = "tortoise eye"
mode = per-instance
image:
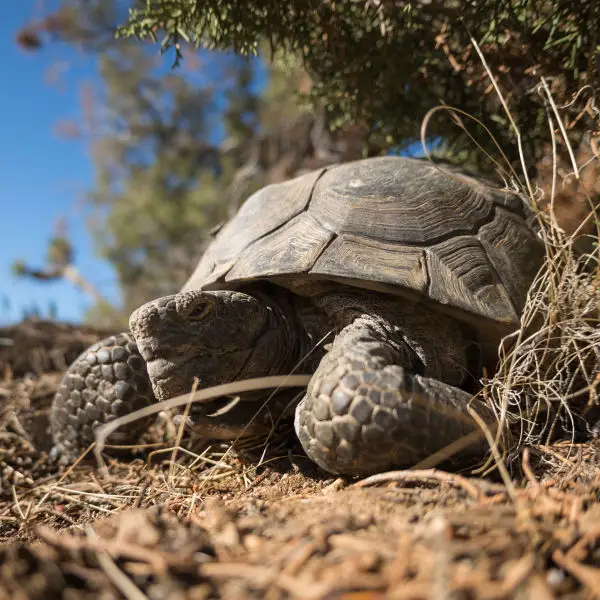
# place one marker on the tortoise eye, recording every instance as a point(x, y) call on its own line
point(201, 310)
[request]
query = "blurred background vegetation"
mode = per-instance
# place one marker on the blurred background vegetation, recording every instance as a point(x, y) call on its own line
point(249, 93)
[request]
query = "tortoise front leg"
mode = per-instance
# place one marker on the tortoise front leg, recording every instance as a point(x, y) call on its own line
point(367, 411)
point(106, 381)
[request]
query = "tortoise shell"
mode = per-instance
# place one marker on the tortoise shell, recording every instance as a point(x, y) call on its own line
point(393, 224)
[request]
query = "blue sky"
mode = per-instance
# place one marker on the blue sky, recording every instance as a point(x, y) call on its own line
point(43, 177)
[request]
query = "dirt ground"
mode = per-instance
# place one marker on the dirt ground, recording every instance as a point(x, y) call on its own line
point(235, 524)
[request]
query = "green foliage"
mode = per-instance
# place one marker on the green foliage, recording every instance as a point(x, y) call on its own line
point(19, 268)
point(389, 62)
point(60, 251)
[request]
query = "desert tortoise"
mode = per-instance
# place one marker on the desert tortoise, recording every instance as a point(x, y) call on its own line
point(415, 273)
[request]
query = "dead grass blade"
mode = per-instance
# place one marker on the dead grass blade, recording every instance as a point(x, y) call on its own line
point(236, 387)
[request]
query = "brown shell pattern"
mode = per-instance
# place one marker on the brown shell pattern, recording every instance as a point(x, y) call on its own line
point(393, 224)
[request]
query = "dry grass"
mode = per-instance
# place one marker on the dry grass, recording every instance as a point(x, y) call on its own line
point(547, 381)
point(550, 368)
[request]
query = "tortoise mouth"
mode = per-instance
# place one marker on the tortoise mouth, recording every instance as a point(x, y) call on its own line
point(171, 372)
point(174, 374)
point(168, 378)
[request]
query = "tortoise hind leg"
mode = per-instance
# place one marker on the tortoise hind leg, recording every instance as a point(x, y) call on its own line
point(367, 410)
point(106, 381)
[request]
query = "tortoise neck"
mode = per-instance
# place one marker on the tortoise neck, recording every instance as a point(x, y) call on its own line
point(285, 344)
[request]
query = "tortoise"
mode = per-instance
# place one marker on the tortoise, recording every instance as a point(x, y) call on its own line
point(414, 272)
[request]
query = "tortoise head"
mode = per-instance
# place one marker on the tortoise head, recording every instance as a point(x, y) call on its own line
point(215, 336)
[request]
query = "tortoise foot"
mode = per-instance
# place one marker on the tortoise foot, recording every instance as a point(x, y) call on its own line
point(361, 416)
point(107, 381)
